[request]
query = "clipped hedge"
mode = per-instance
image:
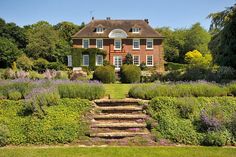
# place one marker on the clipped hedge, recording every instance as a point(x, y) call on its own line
point(130, 74)
point(63, 122)
point(172, 125)
point(105, 74)
point(149, 91)
point(81, 90)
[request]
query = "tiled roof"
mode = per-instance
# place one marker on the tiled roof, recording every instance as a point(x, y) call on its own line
point(89, 31)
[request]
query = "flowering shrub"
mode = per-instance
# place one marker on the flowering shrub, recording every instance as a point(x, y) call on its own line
point(205, 120)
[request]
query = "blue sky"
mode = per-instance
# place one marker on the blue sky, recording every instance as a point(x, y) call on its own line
point(173, 13)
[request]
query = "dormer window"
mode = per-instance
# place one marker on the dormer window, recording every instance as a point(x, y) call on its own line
point(135, 30)
point(99, 30)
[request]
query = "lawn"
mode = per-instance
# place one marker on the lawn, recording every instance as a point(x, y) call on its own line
point(117, 91)
point(117, 152)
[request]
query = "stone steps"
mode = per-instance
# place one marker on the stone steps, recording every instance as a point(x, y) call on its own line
point(118, 119)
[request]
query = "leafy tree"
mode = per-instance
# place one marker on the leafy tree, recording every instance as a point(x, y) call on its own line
point(66, 30)
point(192, 55)
point(42, 41)
point(13, 32)
point(8, 52)
point(223, 43)
point(197, 59)
point(128, 59)
point(23, 62)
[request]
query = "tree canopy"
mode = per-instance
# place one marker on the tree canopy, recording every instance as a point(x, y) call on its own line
point(223, 43)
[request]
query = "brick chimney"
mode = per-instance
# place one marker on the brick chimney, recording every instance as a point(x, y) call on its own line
point(146, 20)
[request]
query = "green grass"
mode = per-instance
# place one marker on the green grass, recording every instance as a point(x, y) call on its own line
point(117, 152)
point(117, 91)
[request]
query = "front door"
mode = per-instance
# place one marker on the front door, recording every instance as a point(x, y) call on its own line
point(117, 62)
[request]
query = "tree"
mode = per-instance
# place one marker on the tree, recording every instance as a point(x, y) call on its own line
point(197, 38)
point(23, 62)
point(8, 52)
point(14, 33)
point(128, 59)
point(223, 43)
point(42, 41)
point(196, 58)
point(66, 30)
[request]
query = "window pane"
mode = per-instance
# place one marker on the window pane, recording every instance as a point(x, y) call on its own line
point(117, 44)
point(99, 60)
point(149, 43)
point(149, 60)
point(86, 60)
point(86, 43)
point(136, 44)
point(99, 43)
point(136, 60)
point(69, 59)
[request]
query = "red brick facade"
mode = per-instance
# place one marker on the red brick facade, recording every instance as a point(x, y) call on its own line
point(124, 27)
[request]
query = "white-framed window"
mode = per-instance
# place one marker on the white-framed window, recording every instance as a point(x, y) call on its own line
point(99, 60)
point(149, 44)
point(85, 43)
point(136, 43)
point(136, 59)
point(117, 44)
point(99, 30)
point(85, 60)
point(135, 30)
point(69, 60)
point(99, 43)
point(149, 60)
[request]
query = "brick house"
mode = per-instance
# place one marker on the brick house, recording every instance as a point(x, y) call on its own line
point(119, 37)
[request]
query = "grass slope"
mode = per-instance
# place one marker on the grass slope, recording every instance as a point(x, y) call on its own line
point(118, 152)
point(117, 91)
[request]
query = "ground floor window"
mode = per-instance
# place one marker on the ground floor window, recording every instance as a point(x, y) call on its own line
point(69, 61)
point(117, 61)
point(99, 60)
point(136, 60)
point(85, 60)
point(149, 60)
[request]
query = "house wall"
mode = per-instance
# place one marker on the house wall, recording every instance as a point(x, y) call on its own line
point(127, 47)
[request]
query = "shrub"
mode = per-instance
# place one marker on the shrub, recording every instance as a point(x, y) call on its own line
point(128, 59)
point(143, 66)
point(89, 91)
point(130, 74)
point(61, 75)
point(63, 122)
point(215, 139)
point(9, 74)
point(24, 63)
point(4, 134)
point(177, 90)
point(105, 74)
point(178, 119)
point(40, 65)
point(233, 125)
point(225, 73)
point(56, 66)
point(35, 75)
point(14, 95)
point(21, 74)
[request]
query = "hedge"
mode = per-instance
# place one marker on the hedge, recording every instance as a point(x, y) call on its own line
point(105, 74)
point(180, 119)
point(63, 123)
point(130, 74)
point(77, 56)
point(196, 89)
point(89, 91)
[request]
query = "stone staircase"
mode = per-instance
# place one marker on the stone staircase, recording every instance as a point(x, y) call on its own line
point(118, 119)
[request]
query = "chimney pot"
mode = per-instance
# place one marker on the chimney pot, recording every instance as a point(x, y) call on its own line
point(92, 18)
point(146, 20)
point(108, 18)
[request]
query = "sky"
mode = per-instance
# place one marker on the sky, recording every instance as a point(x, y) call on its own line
point(171, 13)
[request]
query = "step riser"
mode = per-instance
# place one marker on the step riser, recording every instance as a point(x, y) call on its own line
point(122, 111)
point(120, 120)
point(118, 104)
point(102, 130)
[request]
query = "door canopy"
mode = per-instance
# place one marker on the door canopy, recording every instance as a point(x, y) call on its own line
point(118, 33)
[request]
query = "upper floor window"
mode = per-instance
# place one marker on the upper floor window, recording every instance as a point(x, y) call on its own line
point(99, 30)
point(135, 30)
point(136, 44)
point(117, 44)
point(85, 43)
point(99, 43)
point(149, 44)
